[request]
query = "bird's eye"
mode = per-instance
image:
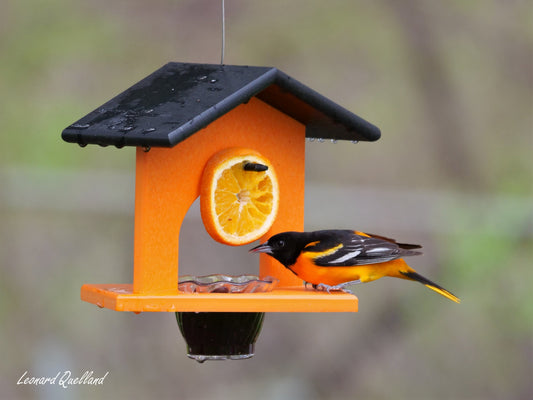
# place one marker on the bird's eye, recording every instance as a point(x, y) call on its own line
point(280, 243)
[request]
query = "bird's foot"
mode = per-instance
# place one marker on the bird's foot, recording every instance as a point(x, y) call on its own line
point(339, 287)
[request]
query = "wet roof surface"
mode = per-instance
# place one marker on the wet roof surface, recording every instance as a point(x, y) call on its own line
point(179, 99)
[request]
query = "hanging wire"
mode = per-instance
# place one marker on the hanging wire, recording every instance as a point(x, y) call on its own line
point(223, 33)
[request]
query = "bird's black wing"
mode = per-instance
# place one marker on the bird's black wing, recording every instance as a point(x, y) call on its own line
point(400, 245)
point(346, 248)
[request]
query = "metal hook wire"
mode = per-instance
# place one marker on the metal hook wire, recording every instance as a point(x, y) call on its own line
point(223, 33)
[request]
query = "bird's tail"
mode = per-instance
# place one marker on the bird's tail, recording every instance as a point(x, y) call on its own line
point(407, 253)
point(412, 275)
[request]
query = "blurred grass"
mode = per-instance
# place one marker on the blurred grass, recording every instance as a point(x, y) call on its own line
point(449, 83)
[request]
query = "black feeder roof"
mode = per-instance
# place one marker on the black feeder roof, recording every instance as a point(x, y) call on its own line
point(179, 99)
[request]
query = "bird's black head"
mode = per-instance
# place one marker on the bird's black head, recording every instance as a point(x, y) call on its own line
point(284, 247)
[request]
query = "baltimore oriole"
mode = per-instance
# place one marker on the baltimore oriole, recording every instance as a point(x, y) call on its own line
point(333, 259)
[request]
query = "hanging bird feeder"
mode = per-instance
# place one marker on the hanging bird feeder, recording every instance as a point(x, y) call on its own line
point(187, 120)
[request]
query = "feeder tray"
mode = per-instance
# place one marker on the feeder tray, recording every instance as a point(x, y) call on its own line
point(120, 297)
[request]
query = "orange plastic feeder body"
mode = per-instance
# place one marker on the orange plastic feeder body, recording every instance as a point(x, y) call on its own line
point(248, 111)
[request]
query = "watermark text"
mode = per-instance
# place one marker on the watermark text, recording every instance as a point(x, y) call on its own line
point(63, 379)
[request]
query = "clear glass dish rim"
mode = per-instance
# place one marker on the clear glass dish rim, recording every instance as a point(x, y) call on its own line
point(237, 280)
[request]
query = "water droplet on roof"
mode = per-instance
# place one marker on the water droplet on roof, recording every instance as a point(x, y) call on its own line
point(80, 126)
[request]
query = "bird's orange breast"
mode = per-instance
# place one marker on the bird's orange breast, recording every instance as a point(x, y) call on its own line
point(306, 269)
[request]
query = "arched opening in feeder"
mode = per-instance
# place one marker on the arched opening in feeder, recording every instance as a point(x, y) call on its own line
point(201, 255)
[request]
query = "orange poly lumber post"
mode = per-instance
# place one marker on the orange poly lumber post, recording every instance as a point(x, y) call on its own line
point(168, 181)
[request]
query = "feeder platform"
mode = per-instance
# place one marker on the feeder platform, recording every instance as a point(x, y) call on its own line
point(120, 297)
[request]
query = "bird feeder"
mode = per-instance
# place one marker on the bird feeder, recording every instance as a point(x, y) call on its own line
point(179, 117)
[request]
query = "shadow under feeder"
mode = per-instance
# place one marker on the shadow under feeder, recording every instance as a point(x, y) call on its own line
point(182, 114)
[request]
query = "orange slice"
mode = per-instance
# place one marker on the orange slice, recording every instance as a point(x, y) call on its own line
point(238, 197)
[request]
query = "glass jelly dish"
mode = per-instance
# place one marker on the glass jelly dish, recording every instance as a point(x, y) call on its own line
point(222, 335)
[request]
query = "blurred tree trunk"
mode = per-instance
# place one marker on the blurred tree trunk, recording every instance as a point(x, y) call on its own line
point(440, 101)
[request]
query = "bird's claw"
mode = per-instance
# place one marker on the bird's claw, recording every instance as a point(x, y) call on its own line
point(329, 288)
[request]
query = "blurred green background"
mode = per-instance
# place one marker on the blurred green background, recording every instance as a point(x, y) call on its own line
point(450, 84)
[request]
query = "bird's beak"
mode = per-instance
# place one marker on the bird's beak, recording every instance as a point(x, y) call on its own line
point(262, 248)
